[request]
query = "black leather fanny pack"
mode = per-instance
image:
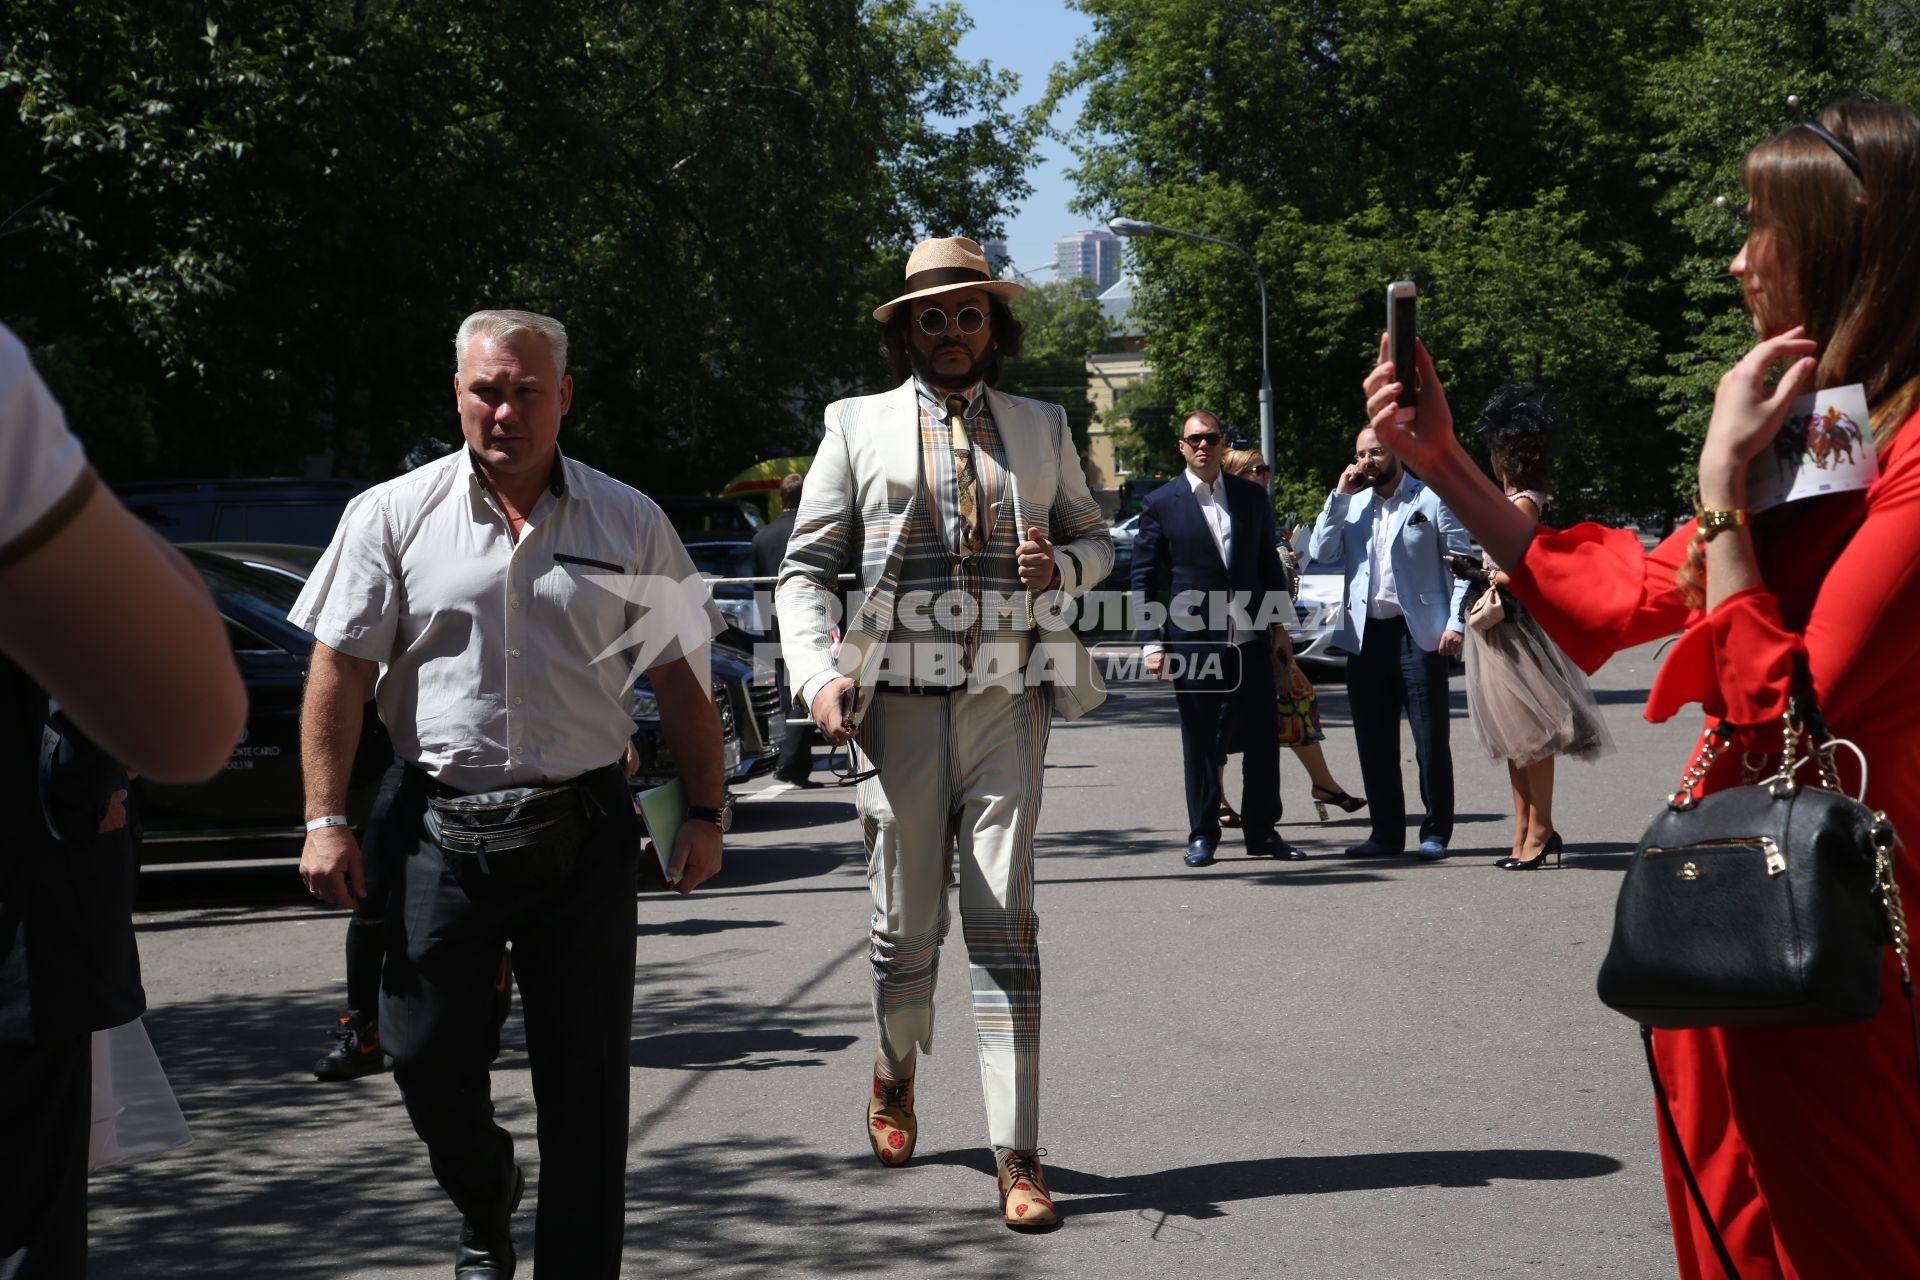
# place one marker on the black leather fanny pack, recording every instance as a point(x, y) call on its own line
point(502, 843)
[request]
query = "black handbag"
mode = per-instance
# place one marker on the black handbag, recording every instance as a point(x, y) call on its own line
point(1770, 903)
point(500, 844)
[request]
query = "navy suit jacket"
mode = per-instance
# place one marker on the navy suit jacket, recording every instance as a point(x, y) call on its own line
point(1176, 560)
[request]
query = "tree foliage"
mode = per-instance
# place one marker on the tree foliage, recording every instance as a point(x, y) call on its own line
point(1063, 326)
point(1543, 171)
point(240, 233)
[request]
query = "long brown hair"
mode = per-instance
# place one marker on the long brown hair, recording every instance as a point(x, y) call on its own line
point(1851, 245)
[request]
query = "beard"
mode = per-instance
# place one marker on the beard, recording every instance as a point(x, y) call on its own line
point(1387, 473)
point(924, 370)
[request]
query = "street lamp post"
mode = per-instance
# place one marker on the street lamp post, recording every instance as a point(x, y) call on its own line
point(1135, 227)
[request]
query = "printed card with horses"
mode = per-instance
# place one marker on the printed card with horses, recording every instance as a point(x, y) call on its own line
point(1825, 446)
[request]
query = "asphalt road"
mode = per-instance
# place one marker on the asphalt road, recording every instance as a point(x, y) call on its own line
point(1325, 1069)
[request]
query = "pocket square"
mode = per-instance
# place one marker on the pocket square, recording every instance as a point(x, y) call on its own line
point(1418, 517)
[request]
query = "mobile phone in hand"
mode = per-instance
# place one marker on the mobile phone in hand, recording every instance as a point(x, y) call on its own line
point(1400, 307)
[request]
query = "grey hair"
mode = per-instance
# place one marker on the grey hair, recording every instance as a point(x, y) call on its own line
point(497, 325)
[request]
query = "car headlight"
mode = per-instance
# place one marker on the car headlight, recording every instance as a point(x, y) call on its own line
point(645, 705)
point(738, 612)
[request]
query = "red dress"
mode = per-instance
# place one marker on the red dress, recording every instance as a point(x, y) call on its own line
point(1805, 1140)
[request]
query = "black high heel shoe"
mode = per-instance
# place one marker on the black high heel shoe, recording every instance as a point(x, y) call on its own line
point(1229, 820)
point(1324, 796)
point(1552, 846)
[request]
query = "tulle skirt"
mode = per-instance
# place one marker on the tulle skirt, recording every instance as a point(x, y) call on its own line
point(1527, 699)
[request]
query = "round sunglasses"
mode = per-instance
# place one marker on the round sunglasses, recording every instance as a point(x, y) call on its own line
point(933, 321)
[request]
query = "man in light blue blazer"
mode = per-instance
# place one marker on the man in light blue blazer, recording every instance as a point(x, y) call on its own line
point(1391, 536)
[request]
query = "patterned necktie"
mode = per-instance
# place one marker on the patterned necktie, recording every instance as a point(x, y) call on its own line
point(969, 485)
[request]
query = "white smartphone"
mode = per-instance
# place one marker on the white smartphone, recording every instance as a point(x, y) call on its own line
point(1400, 306)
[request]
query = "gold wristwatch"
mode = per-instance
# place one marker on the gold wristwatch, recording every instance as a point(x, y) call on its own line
point(1712, 523)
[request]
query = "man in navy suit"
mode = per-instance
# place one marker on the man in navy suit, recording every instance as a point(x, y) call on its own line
point(1205, 542)
point(1401, 625)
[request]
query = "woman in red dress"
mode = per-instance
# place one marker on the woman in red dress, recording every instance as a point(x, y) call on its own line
point(1805, 1139)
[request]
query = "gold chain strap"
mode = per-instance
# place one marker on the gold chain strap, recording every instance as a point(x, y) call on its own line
point(1885, 839)
point(1711, 746)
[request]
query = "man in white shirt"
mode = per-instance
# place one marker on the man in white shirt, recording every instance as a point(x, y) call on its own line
point(1205, 542)
point(1401, 627)
point(486, 602)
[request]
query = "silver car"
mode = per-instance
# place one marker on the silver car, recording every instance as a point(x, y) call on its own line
point(1318, 608)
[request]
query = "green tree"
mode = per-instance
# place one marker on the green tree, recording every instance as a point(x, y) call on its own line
point(1063, 326)
point(241, 233)
point(1545, 172)
point(1488, 149)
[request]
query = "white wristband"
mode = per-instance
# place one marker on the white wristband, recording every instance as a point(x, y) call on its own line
point(331, 820)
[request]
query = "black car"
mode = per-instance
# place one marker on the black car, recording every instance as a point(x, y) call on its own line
point(256, 805)
point(297, 512)
point(710, 519)
point(257, 797)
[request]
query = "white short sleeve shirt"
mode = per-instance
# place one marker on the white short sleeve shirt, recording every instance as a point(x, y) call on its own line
point(45, 479)
point(504, 663)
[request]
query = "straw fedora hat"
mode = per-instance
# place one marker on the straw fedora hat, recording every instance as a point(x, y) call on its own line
point(943, 265)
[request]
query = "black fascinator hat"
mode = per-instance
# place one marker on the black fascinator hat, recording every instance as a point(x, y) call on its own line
point(1520, 423)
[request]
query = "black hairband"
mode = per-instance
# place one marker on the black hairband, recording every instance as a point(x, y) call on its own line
point(1839, 148)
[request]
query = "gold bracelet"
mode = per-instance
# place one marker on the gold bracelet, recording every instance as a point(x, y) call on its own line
point(1712, 523)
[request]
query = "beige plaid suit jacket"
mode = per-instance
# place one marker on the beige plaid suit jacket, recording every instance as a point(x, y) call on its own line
point(864, 488)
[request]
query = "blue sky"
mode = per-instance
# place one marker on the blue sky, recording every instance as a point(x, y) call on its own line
point(1027, 37)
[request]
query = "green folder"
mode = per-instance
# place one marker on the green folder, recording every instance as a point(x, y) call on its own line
point(663, 809)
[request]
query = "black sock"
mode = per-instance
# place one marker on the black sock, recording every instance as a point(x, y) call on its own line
point(366, 949)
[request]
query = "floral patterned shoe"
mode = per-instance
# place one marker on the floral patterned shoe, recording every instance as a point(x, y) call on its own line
point(1025, 1202)
point(891, 1125)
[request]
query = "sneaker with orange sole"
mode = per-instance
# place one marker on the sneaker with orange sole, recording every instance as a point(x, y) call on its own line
point(356, 1050)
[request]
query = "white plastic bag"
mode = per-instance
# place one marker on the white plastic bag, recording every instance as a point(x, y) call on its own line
point(135, 1116)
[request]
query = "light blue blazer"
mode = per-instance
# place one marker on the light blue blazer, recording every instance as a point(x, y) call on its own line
point(1422, 533)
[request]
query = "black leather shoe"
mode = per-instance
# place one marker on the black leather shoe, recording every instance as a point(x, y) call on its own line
point(486, 1250)
point(1199, 854)
point(1275, 847)
point(1372, 849)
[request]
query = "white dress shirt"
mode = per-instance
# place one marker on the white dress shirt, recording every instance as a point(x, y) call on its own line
point(507, 663)
point(1384, 599)
point(1213, 509)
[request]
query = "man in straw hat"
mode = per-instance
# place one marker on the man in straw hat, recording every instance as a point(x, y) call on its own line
point(966, 514)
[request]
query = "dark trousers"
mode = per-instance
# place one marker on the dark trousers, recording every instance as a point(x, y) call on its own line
point(1392, 674)
point(1233, 710)
point(796, 743)
point(573, 949)
point(46, 1115)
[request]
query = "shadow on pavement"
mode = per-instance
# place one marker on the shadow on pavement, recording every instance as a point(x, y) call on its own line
point(747, 867)
point(1198, 1191)
point(696, 928)
point(1600, 855)
point(746, 1050)
point(233, 1204)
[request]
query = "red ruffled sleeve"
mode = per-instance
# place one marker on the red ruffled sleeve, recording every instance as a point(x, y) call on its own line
point(1597, 591)
point(1843, 585)
point(1736, 662)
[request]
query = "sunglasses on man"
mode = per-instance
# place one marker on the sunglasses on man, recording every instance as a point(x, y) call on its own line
point(1201, 439)
point(933, 321)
